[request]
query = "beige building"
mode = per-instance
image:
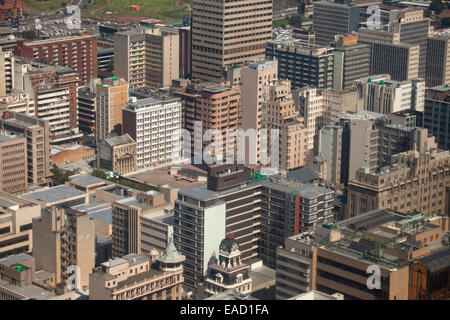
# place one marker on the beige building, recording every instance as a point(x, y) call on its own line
point(6, 72)
point(416, 180)
point(15, 224)
point(228, 33)
point(256, 75)
point(279, 113)
point(117, 154)
point(62, 238)
point(139, 277)
point(147, 57)
point(17, 101)
point(37, 132)
point(13, 163)
point(112, 97)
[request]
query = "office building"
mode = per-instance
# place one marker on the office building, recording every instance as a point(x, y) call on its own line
point(415, 180)
point(228, 34)
point(15, 228)
point(216, 107)
point(437, 114)
point(77, 52)
point(330, 150)
point(54, 91)
point(117, 154)
point(406, 118)
point(61, 238)
point(105, 59)
point(331, 19)
point(156, 230)
point(139, 277)
point(155, 125)
point(7, 66)
point(380, 94)
point(13, 163)
point(87, 107)
point(147, 57)
point(303, 66)
point(185, 52)
point(111, 99)
point(438, 60)
point(37, 132)
point(390, 56)
point(256, 75)
point(351, 61)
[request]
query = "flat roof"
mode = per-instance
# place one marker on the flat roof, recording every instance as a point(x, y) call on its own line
point(32, 291)
point(9, 138)
point(132, 201)
point(86, 180)
point(55, 194)
point(15, 259)
point(104, 215)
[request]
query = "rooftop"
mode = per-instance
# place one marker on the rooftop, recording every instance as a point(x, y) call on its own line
point(119, 140)
point(32, 292)
point(132, 201)
point(55, 194)
point(15, 259)
point(86, 180)
point(9, 138)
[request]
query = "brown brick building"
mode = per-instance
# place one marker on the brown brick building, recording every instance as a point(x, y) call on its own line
point(11, 9)
point(13, 163)
point(76, 52)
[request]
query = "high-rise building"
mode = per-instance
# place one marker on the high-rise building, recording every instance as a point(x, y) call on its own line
point(380, 94)
point(6, 72)
point(216, 107)
point(147, 57)
point(256, 75)
point(139, 277)
point(414, 181)
point(37, 132)
point(15, 228)
point(75, 52)
point(87, 107)
point(302, 65)
point(331, 19)
point(400, 60)
point(438, 60)
point(351, 61)
point(11, 10)
point(437, 114)
point(330, 149)
point(111, 99)
point(54, 91)
point(13, 163)
point(228, 33)
point(63, 237)
point(185, 52)
point(155, 125)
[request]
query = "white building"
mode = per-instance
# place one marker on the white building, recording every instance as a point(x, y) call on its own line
point(155, 125)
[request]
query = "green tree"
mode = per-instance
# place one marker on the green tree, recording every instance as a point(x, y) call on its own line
point(60, 176)
point(295, 21)
point(437, 6)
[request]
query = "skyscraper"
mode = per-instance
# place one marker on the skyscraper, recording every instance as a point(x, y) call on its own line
point(228, 33)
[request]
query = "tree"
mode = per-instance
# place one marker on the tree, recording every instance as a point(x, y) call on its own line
point(60, 176)
point(295, 21)
point(437, 6)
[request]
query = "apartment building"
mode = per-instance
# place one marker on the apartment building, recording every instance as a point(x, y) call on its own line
point(13, 163)
point(332, 19)
point(15, 228)
point(63, 237)
point(139, 277)
point(54, 91)
point(11, 9)
point(6, 71)
point(437, 114)
point(37, 133)
point(216, 107)
point(111, 99)
point(415, 180)
point(17, 101)
point(351, 61)
point(228, 33)
point(155, 125)
point(256, 75)
point(77, 52)
point(380, 94)
point(278, 113)
point(87, 107)
point(390, 56)
point(438, 60)
point(147, 57)
point(117, 154)
point(303, 65)
point(156, 230)
point(259, 213)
